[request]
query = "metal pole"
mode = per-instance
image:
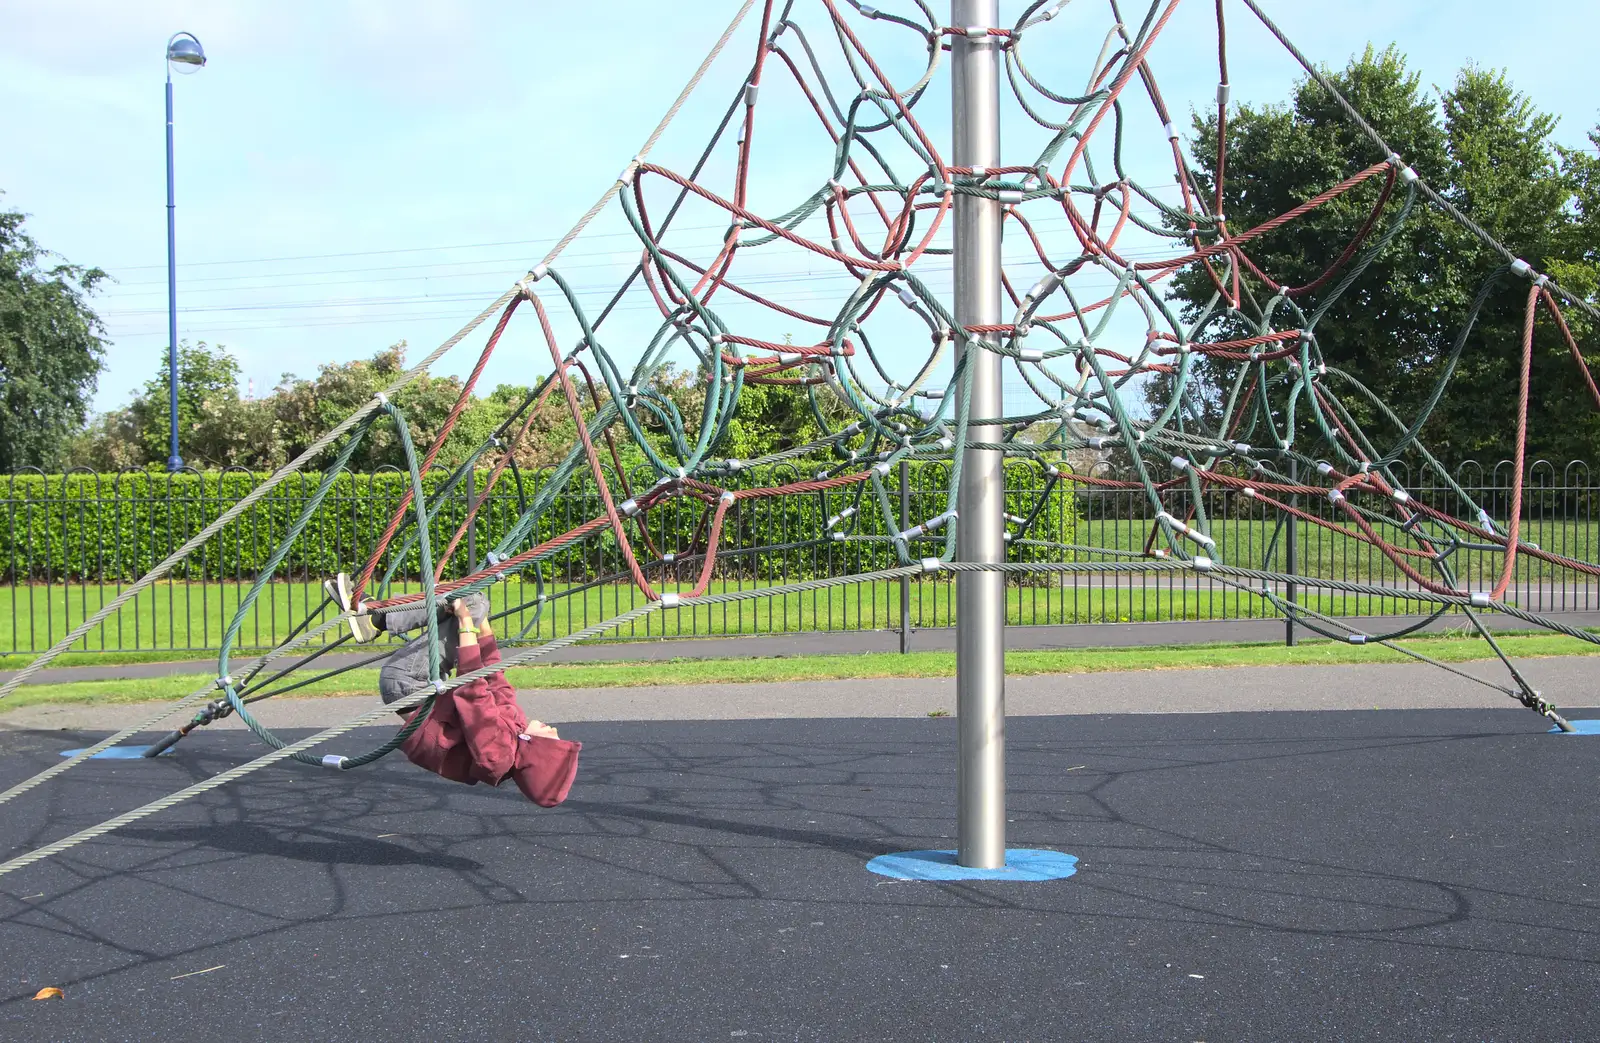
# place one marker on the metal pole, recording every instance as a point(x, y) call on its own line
point(174, 461)
point(905, 581)
point(472, 524)
point(980, 596)
point(1291, 553)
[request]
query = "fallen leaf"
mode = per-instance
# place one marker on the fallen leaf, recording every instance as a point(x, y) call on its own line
point(49, 992)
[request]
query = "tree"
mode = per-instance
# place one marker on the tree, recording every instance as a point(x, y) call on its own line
point(209, 410)
point(51, 349)
point(1487, 149)
point(305, 408)
point(1511, 180)
point(216, 428)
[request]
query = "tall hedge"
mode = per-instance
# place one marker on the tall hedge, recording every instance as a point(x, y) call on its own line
point(117, 527)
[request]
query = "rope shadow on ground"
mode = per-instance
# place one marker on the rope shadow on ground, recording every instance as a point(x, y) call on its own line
point(678, 817)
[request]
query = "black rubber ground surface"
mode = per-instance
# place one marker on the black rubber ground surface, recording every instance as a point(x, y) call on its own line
point(1426, 875)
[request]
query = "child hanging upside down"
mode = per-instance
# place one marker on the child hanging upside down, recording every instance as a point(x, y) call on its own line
point(477, 732)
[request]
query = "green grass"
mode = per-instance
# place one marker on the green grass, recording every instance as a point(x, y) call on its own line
point(1330, 555)
point(852, 667)
point(16, 661)
point(174, 618)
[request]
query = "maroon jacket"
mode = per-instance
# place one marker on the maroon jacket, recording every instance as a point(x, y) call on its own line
point(474, 735)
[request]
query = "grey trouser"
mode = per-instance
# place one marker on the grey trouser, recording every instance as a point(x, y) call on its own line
point(406, 671)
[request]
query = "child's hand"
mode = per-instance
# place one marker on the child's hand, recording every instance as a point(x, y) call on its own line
point(463, 613)
point(540, 730)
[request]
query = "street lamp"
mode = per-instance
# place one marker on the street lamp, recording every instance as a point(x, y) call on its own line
point(184, 54)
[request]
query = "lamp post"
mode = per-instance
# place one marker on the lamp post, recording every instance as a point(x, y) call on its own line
point(184, 54)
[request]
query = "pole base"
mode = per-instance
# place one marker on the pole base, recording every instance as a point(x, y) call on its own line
point(174, 463)
point(1579, 728)
point(1024, 865)
point(117, 753)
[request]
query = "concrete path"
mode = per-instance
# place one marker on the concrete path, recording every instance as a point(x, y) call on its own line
point(1572, 681)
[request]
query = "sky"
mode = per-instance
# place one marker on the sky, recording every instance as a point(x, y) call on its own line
point(354, 174)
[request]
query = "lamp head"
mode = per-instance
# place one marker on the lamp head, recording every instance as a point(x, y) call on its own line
point(184, 54)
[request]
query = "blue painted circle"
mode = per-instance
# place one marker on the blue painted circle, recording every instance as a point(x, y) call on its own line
point(1581, 728)
point(116, 753)
point(1022, 864)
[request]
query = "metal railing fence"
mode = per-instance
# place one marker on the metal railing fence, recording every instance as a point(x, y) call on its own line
point(72, 542)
